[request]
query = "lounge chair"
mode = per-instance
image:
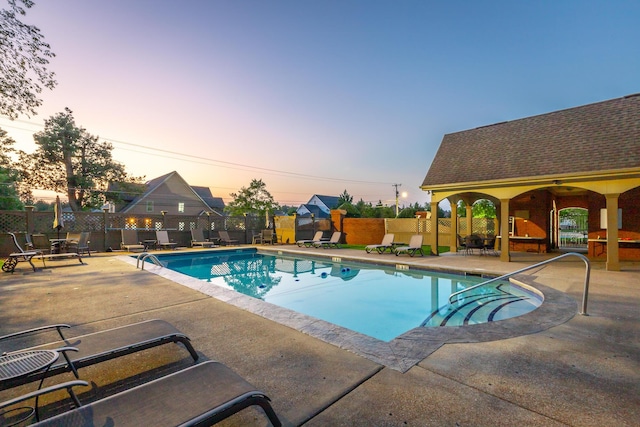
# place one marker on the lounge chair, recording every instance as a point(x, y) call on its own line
point(197, 239)
point(162, 240)
point(100, 346)
point(130, 241)
point(224, 238)
point(308, 243)
point(199, 395)
point(387, 243)
point(415, 245)
point(334, 241)
point(22, 255)
point(81, 245)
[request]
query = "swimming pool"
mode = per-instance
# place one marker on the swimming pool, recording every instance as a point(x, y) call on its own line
point(373, 300)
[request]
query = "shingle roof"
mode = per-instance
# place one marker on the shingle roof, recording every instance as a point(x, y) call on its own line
point(209, 199)
point(594, 137)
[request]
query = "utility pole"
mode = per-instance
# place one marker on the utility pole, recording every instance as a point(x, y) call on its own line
point(397, 195)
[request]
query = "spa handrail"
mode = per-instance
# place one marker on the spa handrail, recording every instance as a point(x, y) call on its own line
point(495, 279)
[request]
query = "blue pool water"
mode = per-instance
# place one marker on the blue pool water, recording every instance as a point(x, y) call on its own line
point(370, 299)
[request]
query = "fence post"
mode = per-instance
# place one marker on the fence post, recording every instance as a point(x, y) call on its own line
point(105, 218)
point(29, 219)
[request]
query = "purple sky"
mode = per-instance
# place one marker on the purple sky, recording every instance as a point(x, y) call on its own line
point(315, 97)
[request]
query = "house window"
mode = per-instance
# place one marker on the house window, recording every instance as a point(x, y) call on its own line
point(181, 207)
point(150, 206)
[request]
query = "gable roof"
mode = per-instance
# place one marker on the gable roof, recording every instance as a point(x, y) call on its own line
point(603, 136)
point(307, 210)
point(152, 185)
point(329, 201)
point(205, 194)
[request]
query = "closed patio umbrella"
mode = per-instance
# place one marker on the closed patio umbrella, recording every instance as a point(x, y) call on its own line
point(58, 222)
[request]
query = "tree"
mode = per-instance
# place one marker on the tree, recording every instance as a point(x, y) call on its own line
point(482, 208)
point(70, 160)
point(345, 198)
point(255, 200)
point(9, 199)
point(24, 56)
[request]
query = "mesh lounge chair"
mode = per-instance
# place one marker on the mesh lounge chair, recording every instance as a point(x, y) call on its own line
point(200, 395)
point(100, 346)
point(265, 236)
point(415, 245)
point(224, 238)
point(130, 241)
point(21, 256)
point(81, 245)
point(308, 243)
point(387, 243)
point(333, 242)
point(197, 239)
point(162, 237)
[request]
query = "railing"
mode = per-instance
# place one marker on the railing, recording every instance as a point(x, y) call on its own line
point(146, 255)
point(495, 279)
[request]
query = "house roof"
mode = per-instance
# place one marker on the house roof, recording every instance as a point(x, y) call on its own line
point(209, 199)
point(329, 201)
point(312, 209)
point(603, 136)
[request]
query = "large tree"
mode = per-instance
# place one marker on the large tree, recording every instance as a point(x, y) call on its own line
point(9, 176)
point(71, 160)
point(24, 56)
point(254, 200)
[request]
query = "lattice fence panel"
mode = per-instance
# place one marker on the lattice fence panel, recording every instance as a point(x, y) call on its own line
point(13, 221)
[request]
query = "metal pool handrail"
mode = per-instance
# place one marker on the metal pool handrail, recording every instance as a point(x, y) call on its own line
point(495, 279)
point(143, 257)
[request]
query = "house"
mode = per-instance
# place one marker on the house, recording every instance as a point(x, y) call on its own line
point(170, 194)
point(585, 157)
point(319, 206)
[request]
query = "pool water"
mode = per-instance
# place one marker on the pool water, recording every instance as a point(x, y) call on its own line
point(370, 299)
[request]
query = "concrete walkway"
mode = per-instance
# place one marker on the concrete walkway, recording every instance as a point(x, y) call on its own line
point(583, 372)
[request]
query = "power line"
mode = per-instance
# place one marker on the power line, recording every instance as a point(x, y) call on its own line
point(153, 151)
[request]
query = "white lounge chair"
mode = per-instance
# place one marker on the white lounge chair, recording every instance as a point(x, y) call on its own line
point(387, 243)
point(415, 245)
point(308, 243)
point(333, 242)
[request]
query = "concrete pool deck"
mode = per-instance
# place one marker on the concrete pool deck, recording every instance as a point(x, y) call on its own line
point(585, 371)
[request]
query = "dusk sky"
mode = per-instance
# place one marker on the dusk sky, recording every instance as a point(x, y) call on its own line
point(315, 97)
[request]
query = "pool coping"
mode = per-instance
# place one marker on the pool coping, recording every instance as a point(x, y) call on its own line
point(406, 350)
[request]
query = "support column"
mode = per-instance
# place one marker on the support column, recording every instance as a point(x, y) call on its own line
point(453, 247)
point(469, 218)
point(434, 228)
point(613, 259)
point(504, 230)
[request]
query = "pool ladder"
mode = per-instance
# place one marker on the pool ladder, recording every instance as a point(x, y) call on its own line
point(146, 255)
point(495, 279)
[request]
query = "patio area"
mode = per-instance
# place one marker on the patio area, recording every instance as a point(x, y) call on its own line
point(583, 372)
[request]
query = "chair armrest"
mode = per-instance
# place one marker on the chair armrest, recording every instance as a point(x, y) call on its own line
point(68, 385)
point(39, 329)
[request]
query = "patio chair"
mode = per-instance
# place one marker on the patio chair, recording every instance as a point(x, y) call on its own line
point(462, 246)
point(490, 246)
point(100, 346)
point(199, 395)
point(472, 242)
point(308, 243)
point(387, 243)
point(197, 239)
point(224, 238)
point(162, 240)
point(81, 245)
point(415, 245)
point(265, 236)
point(130, 241)
point(41, 243)
point(334, 241)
